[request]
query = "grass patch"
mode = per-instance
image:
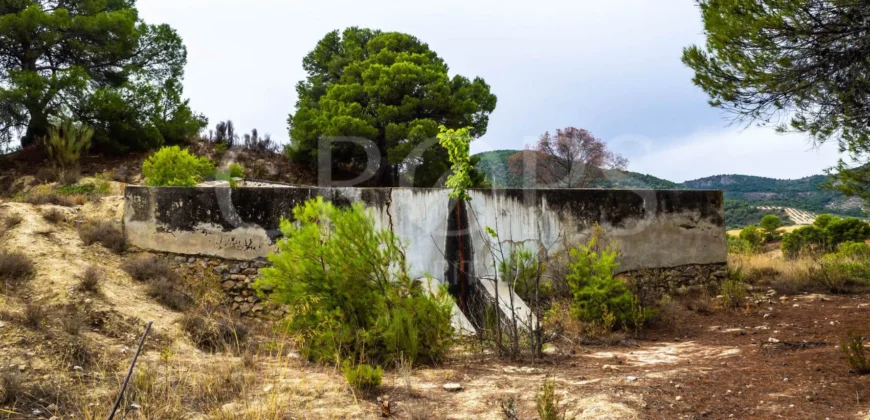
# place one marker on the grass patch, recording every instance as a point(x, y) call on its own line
point(34, 316)
point(148, 268)
point(89, 281)
point(215, 335)
point(103, 232)
point(54, 216)
point(15, 268)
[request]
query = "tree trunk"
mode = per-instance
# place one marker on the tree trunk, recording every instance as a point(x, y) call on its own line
point(37, 127)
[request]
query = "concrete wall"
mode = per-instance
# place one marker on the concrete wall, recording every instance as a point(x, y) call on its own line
point(654, 229)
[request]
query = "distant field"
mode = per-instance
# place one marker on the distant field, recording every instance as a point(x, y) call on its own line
point(735, 232)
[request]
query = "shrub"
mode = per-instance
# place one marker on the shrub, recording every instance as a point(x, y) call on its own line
point(520, 269)
point(770, 224)
point(823, 220)
point(807, 239)
point(752, 235)
point(736, 245)
point(90, 280)
point(856, 250)
point(105, 233)
point(12, 221)
point(11, 388)
point(330, 254)
point(846, 230)
point(34, 316)
point(64, 145)
point(175, 167)
point(547, 402)
point(595, 290)
point(835, 272)
point(215, 335)
point(15, 268)
point(53, 216)
point(236, 171)
point(148, 268)
point(362, 377)
point(733, 293)
point(72, 321)
point(853, 348)
point(168, 294)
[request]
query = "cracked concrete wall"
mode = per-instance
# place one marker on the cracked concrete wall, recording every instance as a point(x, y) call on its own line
point(653, 229)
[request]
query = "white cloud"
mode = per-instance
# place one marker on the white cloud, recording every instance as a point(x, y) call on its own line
point(756, 151)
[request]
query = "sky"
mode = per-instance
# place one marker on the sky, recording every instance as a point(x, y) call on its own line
point(611, 67)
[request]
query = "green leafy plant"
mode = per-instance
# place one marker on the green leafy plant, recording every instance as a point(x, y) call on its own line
point(236, 171)
point(752, 235)
point(770, 224)
point(348, 288)
point(853, 348)
point(175, 167)
point(736, 245)
point(807, 239)
point(520, 269)
point(733, 293)
point(855, 250)
point(595, 290)
point(457, 143)
point(362, 377)
point(548, 403)
point(65, 144)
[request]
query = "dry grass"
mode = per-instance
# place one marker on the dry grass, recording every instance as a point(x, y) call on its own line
point(103, 232)
point(54, 216)
point(89, 281)
point(34, 316)
point(10, 387)
point(215, 334)
point(148, 268)
point(15, 269)
point(772, 271)
point(11, 221)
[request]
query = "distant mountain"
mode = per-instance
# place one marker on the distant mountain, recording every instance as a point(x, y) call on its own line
point(495, 165)
point(742, 192)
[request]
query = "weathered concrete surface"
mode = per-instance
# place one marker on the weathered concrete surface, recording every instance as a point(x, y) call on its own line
point(653, 229)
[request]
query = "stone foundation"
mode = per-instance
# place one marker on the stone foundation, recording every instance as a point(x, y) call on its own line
point(652, 283)
point(237, 280)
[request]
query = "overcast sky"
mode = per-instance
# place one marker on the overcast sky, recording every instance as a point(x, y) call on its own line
point(612, 67)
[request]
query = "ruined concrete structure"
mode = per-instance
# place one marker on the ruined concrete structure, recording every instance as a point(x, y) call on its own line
point(677, 236)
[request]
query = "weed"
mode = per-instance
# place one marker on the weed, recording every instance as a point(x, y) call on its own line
point(34, 316)
point(362, 377)
point(853, 347)
point(12, 221)
point(148, 268)
point(166, 292)
point(103, 232)
point(15, 268)
point(10, 387)
point(733, 293)
point(72, 320)
point(53, 215)
point(547, 402)
point(89, 281)
point(211, 335)
point(77, 353)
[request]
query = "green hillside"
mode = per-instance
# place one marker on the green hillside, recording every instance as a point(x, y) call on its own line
point(742, 192)
point(495, 165)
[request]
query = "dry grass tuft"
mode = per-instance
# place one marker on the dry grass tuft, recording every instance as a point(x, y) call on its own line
point(10, 387)
point(149, 268)
point(772, 271)
point(15, 268)
point(167, 293)
point(89, 281)
point(104, 232)
point(12, 221)
point(34, 316)
point(54, 216)
point(216, 335)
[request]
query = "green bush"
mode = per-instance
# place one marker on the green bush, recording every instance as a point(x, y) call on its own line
point(363, 377)
point(175, 167)
point(770, 224)
point(853, 348)
point(237, 171)
point(823, 220)
point(752, 235)
point(348, 288)
point(739, 246)
point(856, 250)
point(733, 293)
point(807, 239)
point(596, 293)
point(847, 230)
point(520, 269)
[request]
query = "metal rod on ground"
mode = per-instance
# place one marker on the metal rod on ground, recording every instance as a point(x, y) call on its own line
point(130, 371)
